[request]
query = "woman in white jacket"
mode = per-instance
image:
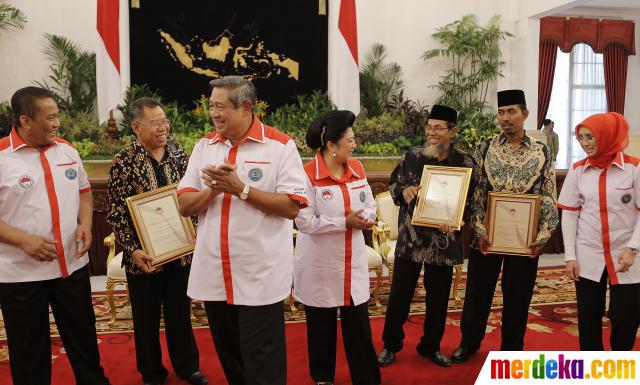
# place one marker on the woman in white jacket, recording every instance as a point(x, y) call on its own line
point(600, 200)
point(330, 265)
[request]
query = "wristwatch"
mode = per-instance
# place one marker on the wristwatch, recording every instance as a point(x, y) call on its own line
point(245, 192)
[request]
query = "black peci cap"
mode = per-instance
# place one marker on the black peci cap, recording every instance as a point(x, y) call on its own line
point(445, 113)
point(511, 97)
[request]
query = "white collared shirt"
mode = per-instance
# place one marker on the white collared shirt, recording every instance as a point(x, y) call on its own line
point(330, 263)
point(608, 202)
point(244, 256)
point(40, 195)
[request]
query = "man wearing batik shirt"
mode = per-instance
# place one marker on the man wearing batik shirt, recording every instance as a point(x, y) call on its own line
point(151, 162)
point(437, 249)
point(510, 162)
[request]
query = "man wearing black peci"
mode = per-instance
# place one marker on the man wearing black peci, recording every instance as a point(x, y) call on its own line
point(510, 162)
point(437, 249)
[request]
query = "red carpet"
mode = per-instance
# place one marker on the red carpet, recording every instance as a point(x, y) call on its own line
point(118, 356)
point(552, 326)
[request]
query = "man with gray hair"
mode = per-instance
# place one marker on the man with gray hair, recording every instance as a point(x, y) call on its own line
point(151, 162)
point(437, 249)
point(246, 183)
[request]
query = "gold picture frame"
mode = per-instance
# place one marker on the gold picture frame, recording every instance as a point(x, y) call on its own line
point(512, 222)
point(443, 195)
point(164, 234)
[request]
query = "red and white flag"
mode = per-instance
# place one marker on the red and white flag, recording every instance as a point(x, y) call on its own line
point(344, 74)
point(110, 73)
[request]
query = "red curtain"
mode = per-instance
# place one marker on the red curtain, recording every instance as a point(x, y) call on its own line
point(615, 76)
point(615, 39)
point(546, 70)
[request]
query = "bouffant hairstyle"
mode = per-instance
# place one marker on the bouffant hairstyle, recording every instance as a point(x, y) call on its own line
point(329, 127)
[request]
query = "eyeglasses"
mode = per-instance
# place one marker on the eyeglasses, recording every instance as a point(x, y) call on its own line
point(157, 123)
point(436, 129)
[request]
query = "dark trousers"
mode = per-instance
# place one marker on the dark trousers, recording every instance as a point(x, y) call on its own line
point(518, 279)
point(624, 313)
point(250, 342)
point(322, 329)
point(149, 293)
point(25, 309)
point(437, 283)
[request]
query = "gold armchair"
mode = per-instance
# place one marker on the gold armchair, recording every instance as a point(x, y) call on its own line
point(385, 236)
point(115, 274)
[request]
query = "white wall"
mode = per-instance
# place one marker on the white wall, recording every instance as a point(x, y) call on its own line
point(20, 51)
point(403, 26)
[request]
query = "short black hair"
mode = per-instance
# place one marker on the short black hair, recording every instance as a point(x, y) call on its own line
point(138, 106)
point(23, 102)
point(327, 127)
point(547, 121)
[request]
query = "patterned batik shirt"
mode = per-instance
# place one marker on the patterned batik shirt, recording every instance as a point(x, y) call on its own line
point(526, 169)
point(134, 171)
point(422, 244)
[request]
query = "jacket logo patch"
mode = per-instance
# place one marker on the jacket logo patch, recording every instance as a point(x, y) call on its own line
point(71, 174)
point(363, 196)
point(626, 198)
point(255, 174)
point(327, 195)
point(26, 182)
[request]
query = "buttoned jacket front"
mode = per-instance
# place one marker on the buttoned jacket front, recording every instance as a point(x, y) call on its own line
point(40, 195)
point(608, 202)
point(330, 264)
point(242, 255)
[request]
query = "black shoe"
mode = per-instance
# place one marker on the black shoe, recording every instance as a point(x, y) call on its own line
point(197, 378)
point(462, 354)
point(386, 357)
point(437, 357)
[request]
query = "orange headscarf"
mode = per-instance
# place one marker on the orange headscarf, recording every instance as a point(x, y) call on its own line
point(611, 131)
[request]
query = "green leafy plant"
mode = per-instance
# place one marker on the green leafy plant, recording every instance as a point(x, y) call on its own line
point(415, 114)
point(11, 17)
point(72, 76)
point(5, 119)
point(85, 147)
point(378, 129)
point(380, 149)
point(80, 126)
point(379, 81)
point(476, 60)
point(293, 119)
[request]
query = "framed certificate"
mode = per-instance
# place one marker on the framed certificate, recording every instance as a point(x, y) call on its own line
point(512, 222)
point(442, 198)
point(164, 234)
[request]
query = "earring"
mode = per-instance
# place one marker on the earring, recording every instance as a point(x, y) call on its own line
point(334, 154)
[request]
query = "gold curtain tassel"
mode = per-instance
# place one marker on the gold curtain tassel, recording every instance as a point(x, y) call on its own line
point(322, 7)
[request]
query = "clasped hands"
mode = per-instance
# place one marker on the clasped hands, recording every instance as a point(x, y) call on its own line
point(222, 178)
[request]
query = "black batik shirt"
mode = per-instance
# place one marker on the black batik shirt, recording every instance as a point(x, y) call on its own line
point(419, 243)
point(134, 171)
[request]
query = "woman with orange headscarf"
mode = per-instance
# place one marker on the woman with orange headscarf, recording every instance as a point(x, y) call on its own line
point(600, 199)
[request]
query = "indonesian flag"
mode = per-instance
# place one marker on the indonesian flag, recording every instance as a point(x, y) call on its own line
point(344, 75)
point(112, 76)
